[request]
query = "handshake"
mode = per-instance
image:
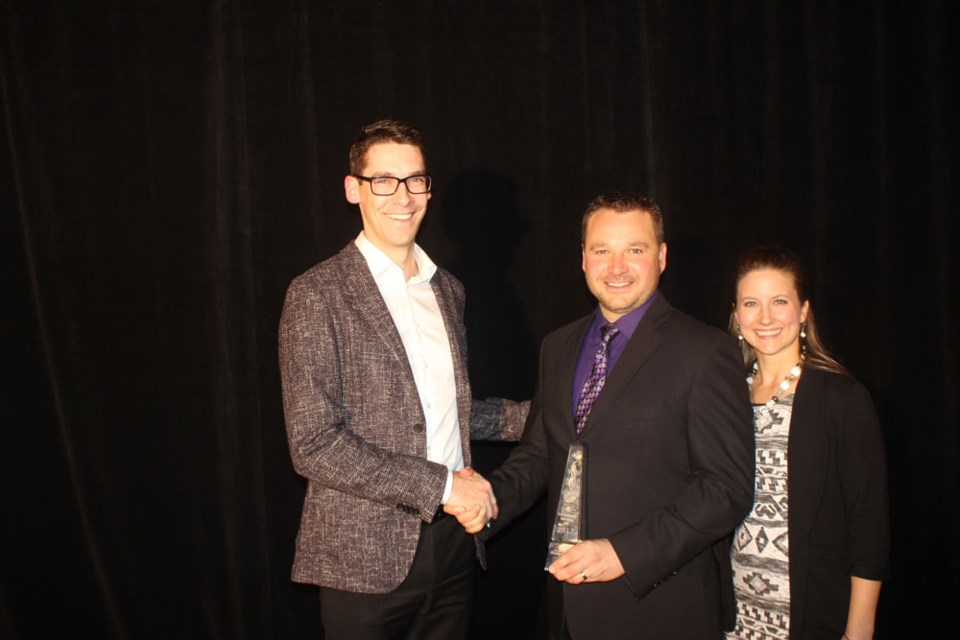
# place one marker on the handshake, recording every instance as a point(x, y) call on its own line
point(473, 504)
point(471, 500)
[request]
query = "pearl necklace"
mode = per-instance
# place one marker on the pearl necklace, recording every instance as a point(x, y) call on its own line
point(784, 384)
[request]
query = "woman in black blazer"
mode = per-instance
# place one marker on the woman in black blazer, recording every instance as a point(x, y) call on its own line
point(814, 570)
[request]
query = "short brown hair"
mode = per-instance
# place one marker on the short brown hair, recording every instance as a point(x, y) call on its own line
point(624, 202)
point(379, 132)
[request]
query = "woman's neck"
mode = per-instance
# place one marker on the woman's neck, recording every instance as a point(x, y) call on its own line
point(774, 377)
point(775, 368)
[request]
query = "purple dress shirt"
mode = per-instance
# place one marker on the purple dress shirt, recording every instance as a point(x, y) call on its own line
point(591, 342)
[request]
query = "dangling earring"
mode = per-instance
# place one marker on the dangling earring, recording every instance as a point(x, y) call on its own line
point(739, 335)
point(803, 341)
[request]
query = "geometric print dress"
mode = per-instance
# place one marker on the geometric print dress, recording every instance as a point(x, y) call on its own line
point(760, 556)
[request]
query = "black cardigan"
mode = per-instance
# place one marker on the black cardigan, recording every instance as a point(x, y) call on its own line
point(837, 489)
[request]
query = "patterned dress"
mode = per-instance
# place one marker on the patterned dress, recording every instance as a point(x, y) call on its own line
point(760, 557)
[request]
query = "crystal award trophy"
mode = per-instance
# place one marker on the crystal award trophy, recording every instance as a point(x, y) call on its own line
point(567, 526)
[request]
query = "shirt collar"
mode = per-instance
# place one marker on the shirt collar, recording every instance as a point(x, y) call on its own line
point(380, 263)
point(628, 323)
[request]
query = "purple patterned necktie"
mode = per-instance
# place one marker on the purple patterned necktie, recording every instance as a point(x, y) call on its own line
point(598, 376)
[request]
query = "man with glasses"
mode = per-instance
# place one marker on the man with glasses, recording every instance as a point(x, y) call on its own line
point(379, 414)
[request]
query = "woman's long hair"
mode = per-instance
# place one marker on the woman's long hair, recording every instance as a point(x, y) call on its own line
point(780, 259)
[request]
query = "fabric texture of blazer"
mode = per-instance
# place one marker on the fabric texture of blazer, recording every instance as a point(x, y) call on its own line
point(355, 425)
point(668, 476)
point(837, 488)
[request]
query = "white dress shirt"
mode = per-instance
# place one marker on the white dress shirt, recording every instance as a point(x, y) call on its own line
point(416, 314)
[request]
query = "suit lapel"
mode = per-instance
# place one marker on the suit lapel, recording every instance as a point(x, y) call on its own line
point(452, 322)
point(362, 293)
point(644, 342)
point(807, 451)
point(567, 369)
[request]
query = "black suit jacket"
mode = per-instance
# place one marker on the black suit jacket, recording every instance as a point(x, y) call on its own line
point(669, 474)
point(839, 520)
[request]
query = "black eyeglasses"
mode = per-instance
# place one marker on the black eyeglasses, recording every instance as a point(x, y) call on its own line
point(388, 185)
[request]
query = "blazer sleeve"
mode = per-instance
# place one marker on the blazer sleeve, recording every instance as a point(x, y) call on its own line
point(719, 491)
point(324, 444)
point(863, 478)
point(498, 419)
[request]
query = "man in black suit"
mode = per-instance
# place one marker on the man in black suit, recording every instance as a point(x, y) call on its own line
point(669, 446)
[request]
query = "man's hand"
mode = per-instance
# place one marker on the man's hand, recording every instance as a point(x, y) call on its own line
point(471, 500)
point(588, 561)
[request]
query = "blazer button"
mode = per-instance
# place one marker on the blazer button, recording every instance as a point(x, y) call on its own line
point(418, 427)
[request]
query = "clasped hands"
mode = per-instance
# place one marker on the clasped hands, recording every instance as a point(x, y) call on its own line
point(471, 500)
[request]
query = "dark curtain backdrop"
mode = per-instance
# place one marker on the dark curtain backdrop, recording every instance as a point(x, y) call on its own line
point(167, 167)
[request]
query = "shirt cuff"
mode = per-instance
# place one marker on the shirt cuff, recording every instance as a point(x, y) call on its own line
point(448, 489)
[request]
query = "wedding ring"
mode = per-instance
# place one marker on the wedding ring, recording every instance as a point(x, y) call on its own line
point(583, 575)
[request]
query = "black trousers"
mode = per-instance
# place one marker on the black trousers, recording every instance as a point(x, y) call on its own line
point(435, 601)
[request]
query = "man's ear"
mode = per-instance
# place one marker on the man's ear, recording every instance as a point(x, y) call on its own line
point(351, 189)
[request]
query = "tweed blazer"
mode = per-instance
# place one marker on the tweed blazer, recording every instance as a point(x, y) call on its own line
point(355, 426)
point(668, 475)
